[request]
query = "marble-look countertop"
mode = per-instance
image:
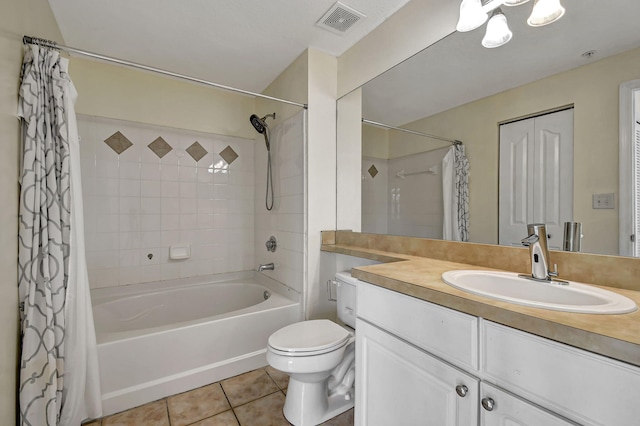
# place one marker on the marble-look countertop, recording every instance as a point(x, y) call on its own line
point(616, 336)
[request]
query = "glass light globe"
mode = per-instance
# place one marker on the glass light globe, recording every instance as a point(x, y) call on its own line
point(471, 15)
point(545, 12)
point(498, 32)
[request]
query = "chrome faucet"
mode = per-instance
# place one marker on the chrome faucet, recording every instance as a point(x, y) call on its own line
point(539, 253)
point(266, 267)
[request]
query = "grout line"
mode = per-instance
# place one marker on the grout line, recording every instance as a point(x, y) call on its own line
point(236, 416)
point(166, 406)
point(233, 411)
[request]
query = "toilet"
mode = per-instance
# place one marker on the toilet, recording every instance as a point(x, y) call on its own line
point(319, 356)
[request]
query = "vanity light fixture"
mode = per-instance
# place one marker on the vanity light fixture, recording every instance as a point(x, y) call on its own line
point(498, 32)
point(473, 13)
point(545, 12)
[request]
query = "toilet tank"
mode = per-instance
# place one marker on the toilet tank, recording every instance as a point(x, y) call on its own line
point(346, 295)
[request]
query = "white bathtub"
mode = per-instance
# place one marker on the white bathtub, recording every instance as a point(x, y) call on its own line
point(159, 339)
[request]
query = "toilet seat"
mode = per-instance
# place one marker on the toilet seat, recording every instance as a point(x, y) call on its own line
point(308, 338)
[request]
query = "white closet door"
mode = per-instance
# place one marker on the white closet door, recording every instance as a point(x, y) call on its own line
point(536, 176)
point(515, 185)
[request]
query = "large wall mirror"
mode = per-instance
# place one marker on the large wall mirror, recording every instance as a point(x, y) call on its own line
point(456, 89)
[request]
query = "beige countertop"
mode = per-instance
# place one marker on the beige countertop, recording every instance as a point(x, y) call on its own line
point(615, 336)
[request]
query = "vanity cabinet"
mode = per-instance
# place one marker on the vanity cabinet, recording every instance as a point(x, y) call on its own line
point(420, 363)
point(400, 376)
point(399, 384)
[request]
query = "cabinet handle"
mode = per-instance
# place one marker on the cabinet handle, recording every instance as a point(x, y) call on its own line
point(462, 390)
point(488, 404)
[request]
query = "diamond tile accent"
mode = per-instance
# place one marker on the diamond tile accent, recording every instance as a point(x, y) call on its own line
point(118, 142)
point(160, 147)
point(228, 155)
point(373, 171)
point(196, 151)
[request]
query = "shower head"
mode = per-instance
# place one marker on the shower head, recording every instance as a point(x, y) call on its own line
point(259, 123)
point(261, 127)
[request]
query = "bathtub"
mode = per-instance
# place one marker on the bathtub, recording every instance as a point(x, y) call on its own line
point(159, 339)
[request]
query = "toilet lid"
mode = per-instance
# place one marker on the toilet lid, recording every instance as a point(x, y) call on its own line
point(309, 336)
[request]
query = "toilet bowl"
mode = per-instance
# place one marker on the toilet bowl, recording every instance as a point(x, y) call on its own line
point(319, 356)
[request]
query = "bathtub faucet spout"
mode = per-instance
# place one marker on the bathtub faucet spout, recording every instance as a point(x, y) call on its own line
point(266, 267)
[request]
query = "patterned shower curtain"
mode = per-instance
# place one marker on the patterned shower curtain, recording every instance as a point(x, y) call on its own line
point(57, 334)
point(455, 188)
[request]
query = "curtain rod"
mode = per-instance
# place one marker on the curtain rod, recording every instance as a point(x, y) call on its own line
point(52, 44)
point(413, 132)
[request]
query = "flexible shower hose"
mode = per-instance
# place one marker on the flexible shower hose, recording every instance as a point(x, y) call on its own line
point(268, 203)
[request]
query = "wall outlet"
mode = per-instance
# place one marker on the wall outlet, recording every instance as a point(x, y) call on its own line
point(604, 201)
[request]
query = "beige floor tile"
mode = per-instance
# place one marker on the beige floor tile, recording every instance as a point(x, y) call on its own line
point(344, 419)
point(198, 404)
point(248, 387)
point(93, 423)
point(152, 414)
point(266, 411)
point(224, 419)
point(281, 379)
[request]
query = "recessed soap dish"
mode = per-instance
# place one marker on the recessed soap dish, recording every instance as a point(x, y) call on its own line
point(180, 251)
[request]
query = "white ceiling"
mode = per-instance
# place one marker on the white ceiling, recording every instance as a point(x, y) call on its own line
point(458, 69)
point(239, 43)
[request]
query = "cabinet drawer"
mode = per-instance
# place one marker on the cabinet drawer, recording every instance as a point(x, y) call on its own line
point(448, 334)
point(507, 407)
point(579, 385)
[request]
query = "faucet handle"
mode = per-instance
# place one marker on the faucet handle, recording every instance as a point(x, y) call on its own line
point(554, 273)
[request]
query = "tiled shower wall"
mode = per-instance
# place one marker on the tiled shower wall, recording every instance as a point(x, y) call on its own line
point(138, 205)
point(375, 181)
point(286, 220)
point(413, 206)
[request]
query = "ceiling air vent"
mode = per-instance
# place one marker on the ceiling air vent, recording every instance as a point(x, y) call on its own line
point(340, 18)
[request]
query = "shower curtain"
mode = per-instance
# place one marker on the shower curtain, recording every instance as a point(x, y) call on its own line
point(59, 382)
point(455, 191)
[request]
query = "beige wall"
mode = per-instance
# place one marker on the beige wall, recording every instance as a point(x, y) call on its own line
point(291, 85)
point(415, 26)
point(321, 174)
point(375, 142)
point(112, 91)
point(594, 91)
point(18, 17)
point(349, 187)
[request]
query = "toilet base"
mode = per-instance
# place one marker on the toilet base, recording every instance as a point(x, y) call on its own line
point(307, 403)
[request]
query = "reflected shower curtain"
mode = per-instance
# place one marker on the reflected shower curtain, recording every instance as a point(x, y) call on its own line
point(59, 382)
point(455, 191)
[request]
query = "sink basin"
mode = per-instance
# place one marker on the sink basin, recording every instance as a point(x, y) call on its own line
point(509, 287)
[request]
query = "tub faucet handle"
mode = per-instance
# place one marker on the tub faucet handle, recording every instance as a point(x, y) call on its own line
point(271, 244)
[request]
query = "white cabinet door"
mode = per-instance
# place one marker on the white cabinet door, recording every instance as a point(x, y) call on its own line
point(536, 176)
point(500, 408)
point(399, 384)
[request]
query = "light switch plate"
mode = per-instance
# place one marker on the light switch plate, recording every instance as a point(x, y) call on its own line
point(604, 201)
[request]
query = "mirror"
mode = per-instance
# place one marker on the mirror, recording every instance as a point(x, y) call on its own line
point(459, 90)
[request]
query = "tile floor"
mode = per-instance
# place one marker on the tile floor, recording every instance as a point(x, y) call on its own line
point(255, 398)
